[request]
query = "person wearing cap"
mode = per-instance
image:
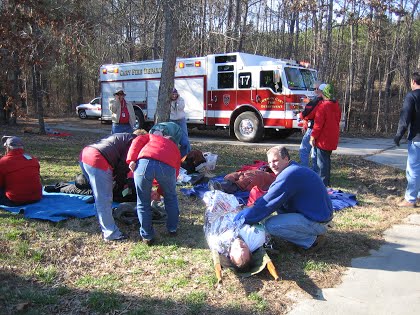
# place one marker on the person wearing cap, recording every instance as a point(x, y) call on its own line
point(326, 131)
point(155, 157)
point(103, 163)
point(308, 114)
point(123, 116)
point(178, 116)
point(20, 180)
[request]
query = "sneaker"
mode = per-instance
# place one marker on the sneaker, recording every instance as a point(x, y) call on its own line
point(120, 238)
point(406, 204)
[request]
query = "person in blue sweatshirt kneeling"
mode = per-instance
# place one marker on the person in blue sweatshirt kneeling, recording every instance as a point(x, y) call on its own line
point(300, 199)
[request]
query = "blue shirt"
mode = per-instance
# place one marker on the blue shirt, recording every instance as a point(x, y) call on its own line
point(297, 189)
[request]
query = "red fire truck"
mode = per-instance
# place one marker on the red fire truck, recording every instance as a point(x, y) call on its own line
point(248, 94)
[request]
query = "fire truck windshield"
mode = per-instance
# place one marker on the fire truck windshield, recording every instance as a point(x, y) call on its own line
point(300, 79)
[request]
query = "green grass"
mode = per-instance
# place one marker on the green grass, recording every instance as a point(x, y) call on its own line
point(13, 234)
point(175, 283)
point(46, 274)
point(316, 266)
point(103, 302)
point(195, 302)
point(102, 282)
point(140, 251)
point(260, 305)
point(172, 262)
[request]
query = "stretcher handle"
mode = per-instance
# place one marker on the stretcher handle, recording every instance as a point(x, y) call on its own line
point(272, 269)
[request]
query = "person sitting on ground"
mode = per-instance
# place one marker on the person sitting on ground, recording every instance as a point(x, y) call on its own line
point(300, 199)
point(244, 181)
point(20, 180)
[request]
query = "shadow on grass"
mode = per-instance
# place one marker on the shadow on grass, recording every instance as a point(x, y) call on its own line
point(23, 296)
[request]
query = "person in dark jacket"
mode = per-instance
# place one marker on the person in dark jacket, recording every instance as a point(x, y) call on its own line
point(308, 114)
point(300, 199)
point(20, 181)
point(326, 131)
point(154, 156)
point(410, 120)
point(102, 163)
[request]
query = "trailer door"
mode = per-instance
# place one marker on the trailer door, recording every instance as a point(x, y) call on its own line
point(152, 87)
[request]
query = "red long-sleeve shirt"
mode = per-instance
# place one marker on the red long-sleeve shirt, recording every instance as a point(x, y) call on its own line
point(19, 177)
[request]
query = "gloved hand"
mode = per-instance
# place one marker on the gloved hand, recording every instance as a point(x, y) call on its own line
point(397, 141)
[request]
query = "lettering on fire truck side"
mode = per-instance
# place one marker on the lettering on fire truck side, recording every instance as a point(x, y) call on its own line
point(140, 71)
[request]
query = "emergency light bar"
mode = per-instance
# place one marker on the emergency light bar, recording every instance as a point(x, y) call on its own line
point(105, 71)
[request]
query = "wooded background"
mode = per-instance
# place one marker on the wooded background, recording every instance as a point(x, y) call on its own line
point(51, 51)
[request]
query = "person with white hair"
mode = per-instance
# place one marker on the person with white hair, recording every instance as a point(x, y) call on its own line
point(178, 116)
point(20, 180)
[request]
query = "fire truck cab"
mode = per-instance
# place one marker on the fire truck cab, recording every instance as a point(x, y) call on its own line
point(249, 94)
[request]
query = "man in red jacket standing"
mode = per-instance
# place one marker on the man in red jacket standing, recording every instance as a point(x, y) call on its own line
point(326, 131)
point(20, 181)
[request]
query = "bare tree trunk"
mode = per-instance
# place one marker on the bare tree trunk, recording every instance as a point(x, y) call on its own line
point(243, 27)
point(237, 25)
point(169, 60)
point(228, 33)
point(36, 90)
point(203, 27)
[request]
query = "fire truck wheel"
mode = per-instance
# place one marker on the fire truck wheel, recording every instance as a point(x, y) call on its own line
point(248, 128)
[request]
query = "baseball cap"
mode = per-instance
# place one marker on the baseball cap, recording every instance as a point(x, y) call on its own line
point(11, 141)
point(119, 91)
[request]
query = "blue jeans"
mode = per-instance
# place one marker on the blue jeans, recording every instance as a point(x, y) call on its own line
point(145, 172)
point(306, 150)
point(295, 228)
point(413, 172)
point(120, 128)
point(184, 143)
point(101, 183)
point(324, 165)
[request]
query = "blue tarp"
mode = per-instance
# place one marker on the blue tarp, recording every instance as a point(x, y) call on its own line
point(56, 207)
point(339, 199)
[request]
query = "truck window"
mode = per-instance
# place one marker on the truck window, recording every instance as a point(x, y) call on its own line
point(309, 77)
point(244, 80)
point(225, 77)
point(224, 59)
point(300, 79)
point(225, 80)
point(267, 80)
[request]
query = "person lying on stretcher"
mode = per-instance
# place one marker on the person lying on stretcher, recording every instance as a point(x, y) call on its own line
point(234, 242)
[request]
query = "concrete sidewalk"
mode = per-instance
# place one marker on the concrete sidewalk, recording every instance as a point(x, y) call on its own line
point(386, 282)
